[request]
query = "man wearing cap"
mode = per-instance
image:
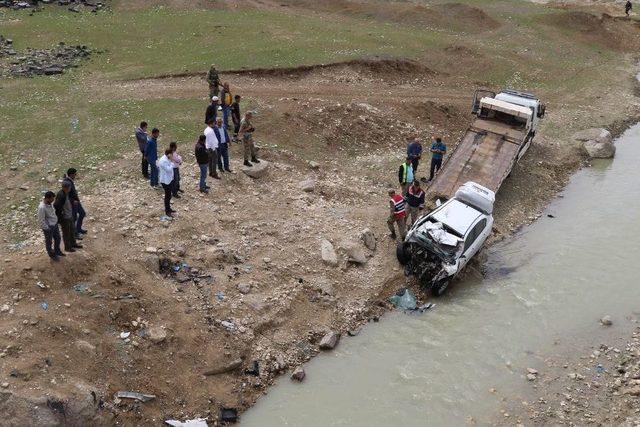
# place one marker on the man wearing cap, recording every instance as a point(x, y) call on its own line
point(49, 225)
point(212, 110)
point(211, 143)
point(214, 81)
point(397, 214)
point(64, 212)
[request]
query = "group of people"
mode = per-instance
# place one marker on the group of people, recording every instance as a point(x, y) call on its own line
point(62, 211)
point(410, 202)
point(211, 149)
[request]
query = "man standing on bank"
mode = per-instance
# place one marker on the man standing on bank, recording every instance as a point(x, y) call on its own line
point(49, 225)
point(438, 150)
point(151, 152)
point(141, 138)
point(222, 135)
point(202, 158)
point(246, 132)
point(78, 210)
point(212, 143)
point(165, 168)
point(64, 212)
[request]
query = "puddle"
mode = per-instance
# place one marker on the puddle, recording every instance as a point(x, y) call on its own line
point(557, 279)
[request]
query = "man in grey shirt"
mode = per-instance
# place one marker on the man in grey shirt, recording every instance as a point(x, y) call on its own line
point(49, 224)
point(64, 212)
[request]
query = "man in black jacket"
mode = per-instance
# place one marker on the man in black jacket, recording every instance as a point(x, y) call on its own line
point(64, 212)
point(202, 157)
point(78, 210)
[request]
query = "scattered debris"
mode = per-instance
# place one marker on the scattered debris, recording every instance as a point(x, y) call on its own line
point(134, 395)
point(224, 368)
point(196, 422)
point(228, 415)
point(254, 370)
point(404, 299)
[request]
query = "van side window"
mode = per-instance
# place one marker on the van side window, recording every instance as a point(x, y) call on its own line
point(474, 234)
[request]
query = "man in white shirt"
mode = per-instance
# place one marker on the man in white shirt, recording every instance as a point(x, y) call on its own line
point(212, 148)
point(165, 169)
point(49, 224)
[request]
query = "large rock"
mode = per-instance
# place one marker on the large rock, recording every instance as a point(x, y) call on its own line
point(369, 239)
point(329, 341)
point(599, 150)
point(258, 170)
point(298, 374)
point(156, 334)
point(593, 134)
point(328, 253)
point(354, 252)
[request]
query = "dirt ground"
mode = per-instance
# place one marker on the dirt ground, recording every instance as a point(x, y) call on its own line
point(251, 285)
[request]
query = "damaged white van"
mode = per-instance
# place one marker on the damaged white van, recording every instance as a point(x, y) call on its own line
point(439, 245)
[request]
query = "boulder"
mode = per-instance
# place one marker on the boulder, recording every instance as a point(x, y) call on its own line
point(298, 374)
point(606, 321)
point(599, 150)
point(354, 252)
point(369, 239)
point(258, 170)
point(308, 185)
point(328, 253)
point(329, 341)
point(223, 367)
point(593, 134)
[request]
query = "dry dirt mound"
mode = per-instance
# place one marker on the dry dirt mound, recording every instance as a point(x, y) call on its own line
point(603, 30)
point(448, 16)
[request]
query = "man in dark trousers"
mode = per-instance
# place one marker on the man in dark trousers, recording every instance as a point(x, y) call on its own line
point(141, 138)
point(414, 152)
point(151, 152)
point(235, 116)
point(415, 202)
point(438, 150)
point(202, 158)
point(49, 224)
point(627, 7)
point(222, 135)
point(78, 210)
point(64, 212)
point(211, 142)
point(212, 110)
point(213, 80)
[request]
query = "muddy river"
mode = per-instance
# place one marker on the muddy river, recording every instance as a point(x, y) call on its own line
point(542, 295)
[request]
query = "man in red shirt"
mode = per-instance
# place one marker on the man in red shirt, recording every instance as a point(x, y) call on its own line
point(397, 214)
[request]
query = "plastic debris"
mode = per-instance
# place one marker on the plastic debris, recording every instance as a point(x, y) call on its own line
point(421, 309)
point(228, 325)
point(196, 422)
point(81, 288)
point(124, 335)
point(45, 305)
point(165, 218)
point(220, 296)
point(41, 285)
point(134, 395)
point(404, 299)
point(600, 369)
point(255, 369)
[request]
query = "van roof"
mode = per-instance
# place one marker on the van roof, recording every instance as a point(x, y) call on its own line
point(457, 216)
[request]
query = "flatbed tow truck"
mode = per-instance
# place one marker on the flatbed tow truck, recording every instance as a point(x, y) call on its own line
point(500, 135)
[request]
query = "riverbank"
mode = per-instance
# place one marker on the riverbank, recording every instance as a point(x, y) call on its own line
point(256, 289)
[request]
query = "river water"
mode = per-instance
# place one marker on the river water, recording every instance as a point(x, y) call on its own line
point(543, 294)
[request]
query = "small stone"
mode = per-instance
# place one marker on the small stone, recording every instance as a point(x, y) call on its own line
point(532, 371)
point(86, 347)
point(4, 385)
point(606, 320)
point(5, 308)
point(156, 334)
point(369, 239)
point(308, 185)
point(298, 374)
point(244, 288)
point(314, 165)
point(531, 377)
point(151, 250)
point(329, 341)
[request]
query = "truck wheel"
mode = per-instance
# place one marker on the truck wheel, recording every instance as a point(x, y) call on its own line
point(402, 254)
point(438, 288)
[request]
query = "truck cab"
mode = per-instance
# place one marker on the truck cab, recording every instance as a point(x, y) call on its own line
point(512, 103)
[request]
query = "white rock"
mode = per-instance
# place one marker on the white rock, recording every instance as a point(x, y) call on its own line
point(599, 150)
point(156, 334)
point(369, 239)
point(308, 185)
point(593, 134)
point(328, 253)
point(244, 288)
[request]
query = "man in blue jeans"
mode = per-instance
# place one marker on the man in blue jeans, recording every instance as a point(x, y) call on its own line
point(77, 209)
point(151, 153)
point(438, 150)
point(222, 134)
point(202, 157)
